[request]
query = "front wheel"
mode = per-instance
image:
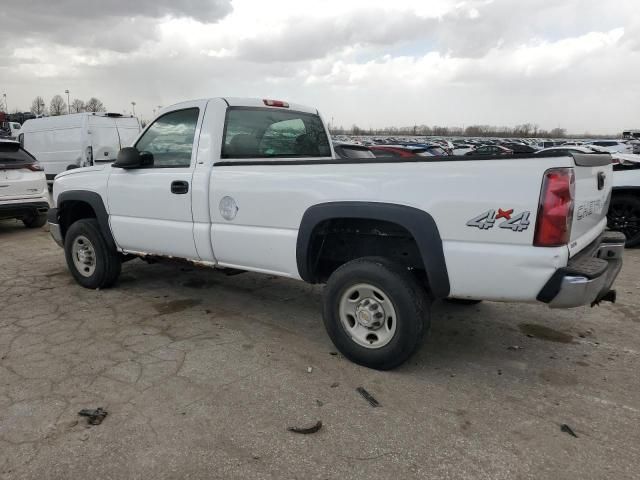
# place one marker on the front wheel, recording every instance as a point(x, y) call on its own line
point(91, 262)
point(375, 312)
point(624, 216)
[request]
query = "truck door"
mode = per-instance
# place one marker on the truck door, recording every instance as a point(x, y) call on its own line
point(150, 207)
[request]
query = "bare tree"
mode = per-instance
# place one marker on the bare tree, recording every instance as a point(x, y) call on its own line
point(94, 105)
point(57, 106)
point(558, 132)
point(3, 107)
point(38, 107)
point(77, 106)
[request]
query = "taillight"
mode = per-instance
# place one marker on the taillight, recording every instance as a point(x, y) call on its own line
point(34, 167)
point(555, 210)
point(89, 156)
point(275, 103)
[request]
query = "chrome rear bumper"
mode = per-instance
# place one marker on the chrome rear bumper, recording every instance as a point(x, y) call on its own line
point(588, 277)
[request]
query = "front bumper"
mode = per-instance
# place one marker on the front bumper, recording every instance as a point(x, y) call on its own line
point(54, 226)
point(22, 209)
point(589, 275)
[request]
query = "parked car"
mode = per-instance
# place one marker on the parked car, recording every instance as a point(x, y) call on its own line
point(23, 187)
point(10, 130)
point(462, 148)
point(612, 146)
point(255, 185)
point(624, 210)
point(519, 147)
point(434, 149)
point(490, 150)
point(77, 140)
point(351, 150)
point(388, 151)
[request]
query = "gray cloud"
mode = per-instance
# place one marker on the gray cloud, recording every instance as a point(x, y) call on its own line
point(119, 25)
point(344, 63)
point(504, 23)
point(307, 39)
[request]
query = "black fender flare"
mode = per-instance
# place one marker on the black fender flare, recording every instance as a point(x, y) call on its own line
point(417, 222)
point(97, 204)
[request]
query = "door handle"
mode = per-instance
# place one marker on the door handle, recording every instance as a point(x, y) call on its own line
point(179, 187)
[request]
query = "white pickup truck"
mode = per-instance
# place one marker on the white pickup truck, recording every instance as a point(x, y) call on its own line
point(255, 185)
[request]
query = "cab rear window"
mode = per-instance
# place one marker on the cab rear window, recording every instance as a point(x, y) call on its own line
point(273, 133)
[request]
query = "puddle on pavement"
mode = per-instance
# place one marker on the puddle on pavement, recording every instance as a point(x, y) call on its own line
point(174, 306)
point(545, 333)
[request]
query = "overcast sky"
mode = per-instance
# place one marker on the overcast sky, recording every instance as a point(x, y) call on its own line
point(568, 63)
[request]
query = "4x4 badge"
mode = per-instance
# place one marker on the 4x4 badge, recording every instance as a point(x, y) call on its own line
point(487, 220)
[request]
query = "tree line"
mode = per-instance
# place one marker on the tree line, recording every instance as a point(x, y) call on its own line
point(57, 106)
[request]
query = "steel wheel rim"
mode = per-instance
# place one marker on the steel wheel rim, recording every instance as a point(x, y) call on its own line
point(84, 256)
point(626, 219)
point(368, 315)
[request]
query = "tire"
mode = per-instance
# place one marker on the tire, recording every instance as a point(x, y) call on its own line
point(85, 249)
point(362, 289)
point(462, 301)
point(624, 216)
point(35, 221)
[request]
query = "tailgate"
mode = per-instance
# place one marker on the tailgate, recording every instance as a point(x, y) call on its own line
point(593, 181)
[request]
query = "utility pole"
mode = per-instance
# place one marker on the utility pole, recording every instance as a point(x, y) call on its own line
point(68, 102)
point(133, 104)
point(6, 107)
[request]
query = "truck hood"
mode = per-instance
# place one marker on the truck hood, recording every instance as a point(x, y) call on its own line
point(73, 171)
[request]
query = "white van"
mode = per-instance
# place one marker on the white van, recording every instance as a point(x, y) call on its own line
point(77, 140)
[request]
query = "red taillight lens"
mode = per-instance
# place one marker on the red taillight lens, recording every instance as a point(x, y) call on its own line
point(555, 211)
point(275, 103)
point(34, 167)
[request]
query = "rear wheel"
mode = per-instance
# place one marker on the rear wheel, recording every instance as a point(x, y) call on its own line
point(91, 262)
point(375, 312)
point(35, 221)
point(624, 216)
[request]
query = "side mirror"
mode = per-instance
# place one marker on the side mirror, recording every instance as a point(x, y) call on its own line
point(130, 157)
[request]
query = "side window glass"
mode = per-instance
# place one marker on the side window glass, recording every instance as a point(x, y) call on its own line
point(170, 138)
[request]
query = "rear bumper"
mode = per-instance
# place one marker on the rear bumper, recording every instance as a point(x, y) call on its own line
point(588, 277)
point(18, 209)
point(54, 226)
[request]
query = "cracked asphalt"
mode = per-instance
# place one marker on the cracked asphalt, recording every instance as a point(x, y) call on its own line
point(203, 373)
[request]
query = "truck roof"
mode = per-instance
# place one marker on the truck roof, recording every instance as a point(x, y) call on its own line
point(252, 102)
point(260, 102)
